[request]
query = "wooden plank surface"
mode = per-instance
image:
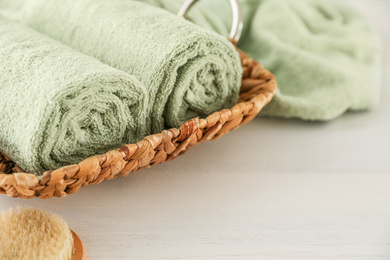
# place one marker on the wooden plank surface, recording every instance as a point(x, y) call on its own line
point(275, 189)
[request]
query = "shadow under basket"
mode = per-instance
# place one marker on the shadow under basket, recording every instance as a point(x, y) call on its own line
point(257, 89)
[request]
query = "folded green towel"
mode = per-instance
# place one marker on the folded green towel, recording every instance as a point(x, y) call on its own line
point(325, 56)
point(59, 106)
point(188, 71)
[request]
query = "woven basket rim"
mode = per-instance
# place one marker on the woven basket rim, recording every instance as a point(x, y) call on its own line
point(257, 89)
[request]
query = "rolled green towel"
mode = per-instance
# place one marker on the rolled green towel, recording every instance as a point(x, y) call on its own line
point(188, 71)
point(59, 106)
point(325, 56)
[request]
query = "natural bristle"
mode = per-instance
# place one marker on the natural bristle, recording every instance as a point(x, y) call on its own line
point(30, 234)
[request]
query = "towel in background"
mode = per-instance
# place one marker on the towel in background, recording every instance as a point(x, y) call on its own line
point(325, 56)
point(59, 106)
point(188, 71)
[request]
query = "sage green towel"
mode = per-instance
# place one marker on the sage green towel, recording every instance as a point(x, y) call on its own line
point(188, 71)
point(325, 56)
point(59, 106)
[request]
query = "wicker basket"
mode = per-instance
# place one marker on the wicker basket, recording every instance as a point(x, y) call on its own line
point(257, 89)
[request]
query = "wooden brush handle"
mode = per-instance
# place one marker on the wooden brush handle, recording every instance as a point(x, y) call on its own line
point(79, 249)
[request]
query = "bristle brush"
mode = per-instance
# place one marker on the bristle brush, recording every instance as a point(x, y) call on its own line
point(30, 234)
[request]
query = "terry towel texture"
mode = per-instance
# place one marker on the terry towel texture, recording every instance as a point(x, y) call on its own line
point(59, 106)
point(188, 71)
point(325, 56)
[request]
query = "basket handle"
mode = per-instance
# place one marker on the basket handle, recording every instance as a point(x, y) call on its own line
point(235, 32)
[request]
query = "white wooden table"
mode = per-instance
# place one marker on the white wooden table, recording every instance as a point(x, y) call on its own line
point(274, 189)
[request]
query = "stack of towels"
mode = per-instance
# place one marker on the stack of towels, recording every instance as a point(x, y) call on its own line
point(110, 72)
point(91, 75)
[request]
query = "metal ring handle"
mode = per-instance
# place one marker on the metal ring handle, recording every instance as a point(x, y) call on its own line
point(235, 32)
